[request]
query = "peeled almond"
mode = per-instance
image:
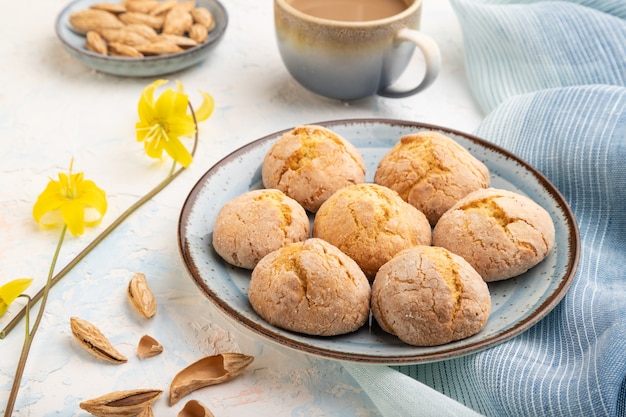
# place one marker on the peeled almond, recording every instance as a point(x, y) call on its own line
point(140, 296)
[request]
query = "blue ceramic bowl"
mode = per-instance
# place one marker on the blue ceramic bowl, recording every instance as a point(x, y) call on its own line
point(150, 66)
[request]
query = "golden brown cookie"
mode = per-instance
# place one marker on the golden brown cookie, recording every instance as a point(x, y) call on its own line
point(431, 171)
point(428, 296)
point(256, 223)
point(310, 287)
point(370, 223)
point(500, 233)
point(310, 163)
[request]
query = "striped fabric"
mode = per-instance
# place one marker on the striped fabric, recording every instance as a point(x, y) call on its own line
point(520, 48)
point(552, 77)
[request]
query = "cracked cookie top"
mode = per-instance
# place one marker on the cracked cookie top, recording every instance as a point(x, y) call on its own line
point(310, 287)
point(256, 223)
point(431, 172)
point(370, 223)
point(429, 296)
point(310, 163)
point(500, 233)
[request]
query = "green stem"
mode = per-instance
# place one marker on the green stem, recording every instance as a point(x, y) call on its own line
point(30, 334)
point(172, 168)
point(106, 232)
point(27, 313)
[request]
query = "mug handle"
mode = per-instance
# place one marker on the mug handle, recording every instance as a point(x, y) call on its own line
point(432, 57)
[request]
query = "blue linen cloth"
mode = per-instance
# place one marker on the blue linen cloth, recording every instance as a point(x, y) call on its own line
point(551, 77)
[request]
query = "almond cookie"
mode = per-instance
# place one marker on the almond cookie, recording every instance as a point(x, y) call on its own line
point(431, 172)
point(256, 223)
point(428, 296)
point(310, 163)
point(500, 233)
point(310, 287)
point(370, 223)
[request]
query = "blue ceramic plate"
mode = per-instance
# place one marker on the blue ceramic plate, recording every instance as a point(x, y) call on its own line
point(517, 303)
point(150, 66)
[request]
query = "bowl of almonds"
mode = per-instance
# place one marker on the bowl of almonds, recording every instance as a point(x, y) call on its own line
point(141, 38)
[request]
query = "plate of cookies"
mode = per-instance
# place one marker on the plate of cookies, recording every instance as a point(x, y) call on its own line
point(379, 241)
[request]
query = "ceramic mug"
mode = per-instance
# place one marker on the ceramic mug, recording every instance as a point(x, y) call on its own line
point(357, 56)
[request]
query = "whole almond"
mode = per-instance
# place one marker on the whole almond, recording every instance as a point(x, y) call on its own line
point(163, 47)
point(163, 7)
point(120, 49)
point(95, 43)
point(139, 293)
point(198, 33)
point(155, 22)
point(187, 5)
point(177, 21)
point(182, 41)
point(203, 16)
point(141, 6)
point(83, 21)
point(110, 7)
point(143, 30)
point(122, 35)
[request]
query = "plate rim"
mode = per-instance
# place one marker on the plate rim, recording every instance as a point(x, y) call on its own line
point(62, 19)
point(521, 326)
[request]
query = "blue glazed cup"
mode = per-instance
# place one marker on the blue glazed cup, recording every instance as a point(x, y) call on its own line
point(349, 60)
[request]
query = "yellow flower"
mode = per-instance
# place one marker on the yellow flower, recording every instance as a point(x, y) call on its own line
point(71, 200)
point(10, 291)
point(164, 121)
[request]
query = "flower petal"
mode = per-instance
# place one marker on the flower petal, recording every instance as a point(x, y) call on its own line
point(178, 152)
point(92, 196)
point(73, 213)
point(49, 200)
point(10, 291)
point(206, 108)
point(92, 217)
point(146, 105)
point(182, 126)
point(171, 104)
point(180, 87)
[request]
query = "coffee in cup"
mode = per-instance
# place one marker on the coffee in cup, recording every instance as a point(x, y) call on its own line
point(350, 49)
point(350, 10)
